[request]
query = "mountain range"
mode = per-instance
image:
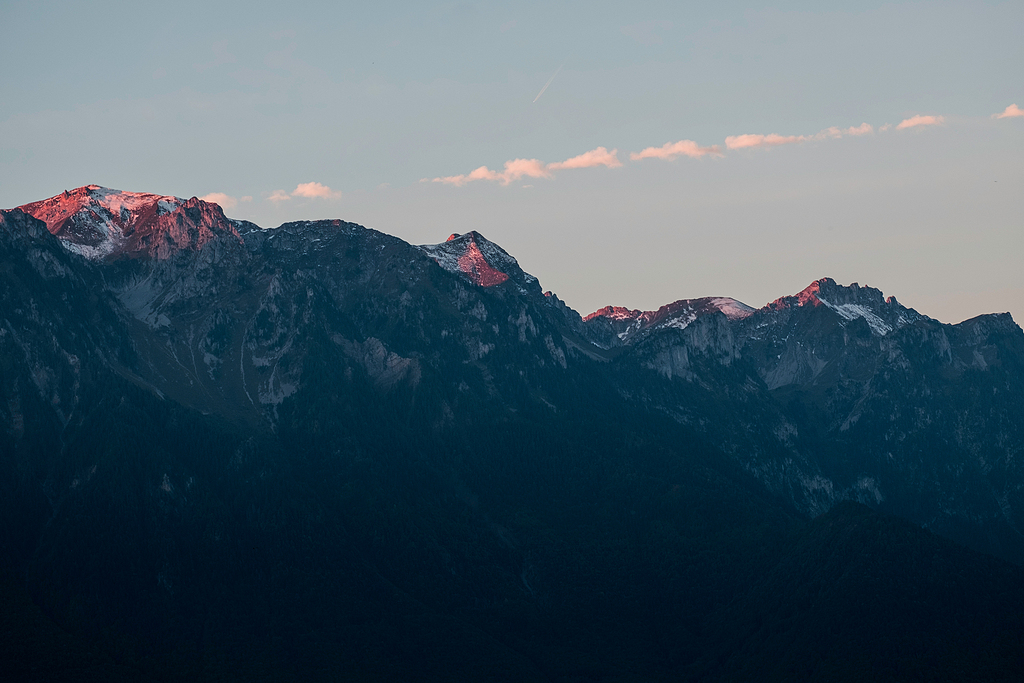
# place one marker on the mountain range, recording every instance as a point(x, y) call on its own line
point(312, 449)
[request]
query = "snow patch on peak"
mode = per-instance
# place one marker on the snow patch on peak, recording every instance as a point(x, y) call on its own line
point(475, 257)
point(628, 324)
point(97, 222)
point(733, 309)
point(851, 302)
point(854, 311)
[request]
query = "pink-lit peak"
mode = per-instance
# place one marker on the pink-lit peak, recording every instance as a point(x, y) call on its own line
point(614, 313)
point(98, 222)
point(808, 296)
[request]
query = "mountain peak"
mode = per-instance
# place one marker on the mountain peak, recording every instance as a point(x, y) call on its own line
point(614, 313)
point(628, 323)
point(99, 223)
point(850, 302)
point(476, 258)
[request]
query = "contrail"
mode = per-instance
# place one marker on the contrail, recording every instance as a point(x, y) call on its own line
point(548, 83)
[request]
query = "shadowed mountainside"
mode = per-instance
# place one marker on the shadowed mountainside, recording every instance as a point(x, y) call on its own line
point(319, 451)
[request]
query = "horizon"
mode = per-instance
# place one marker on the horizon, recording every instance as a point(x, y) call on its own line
point(629, 156)
point(583, 314)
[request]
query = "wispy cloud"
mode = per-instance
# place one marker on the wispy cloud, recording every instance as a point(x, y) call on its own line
point(1010, 112)
point(757, 140)
point(225, 201)
point(306, 190)
point(595, 157)
point(533, 168)
point(517, 169)
point(915, 121)
point(514, 170)
point(671, 150)
point(862, 129)
point(774, 140)
point(315, 191)
point(550, 80)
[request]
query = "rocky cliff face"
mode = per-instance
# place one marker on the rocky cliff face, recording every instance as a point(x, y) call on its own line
point(833, 393)
point(99, 223)
point(839, 393)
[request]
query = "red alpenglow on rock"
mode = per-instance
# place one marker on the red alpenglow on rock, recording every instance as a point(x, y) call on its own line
point(629, 323)
point(101, 223)
point(475, 257)
point(614, 313)
point(473, 264)
point(883, 315)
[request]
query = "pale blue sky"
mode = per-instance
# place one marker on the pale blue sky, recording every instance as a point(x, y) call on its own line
point(246, 99)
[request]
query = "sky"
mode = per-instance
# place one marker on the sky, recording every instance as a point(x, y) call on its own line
point(625, 155)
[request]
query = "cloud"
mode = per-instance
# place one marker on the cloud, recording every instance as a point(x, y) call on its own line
point(533, 168)
point(595, 157)
point(671, 150)
point(307, 190)
point(600, 156)
point(771, 140)
point(774, 140)
point(915, 121)
point(1010, 112)
point(835, 133)
point(225, 201)
point(884, 127)
point(315, 191)
point(514, 170)
point(862, 129)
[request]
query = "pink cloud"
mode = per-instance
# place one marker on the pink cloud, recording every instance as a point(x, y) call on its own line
point(774, 140)
point(279, 196)
point(517, 168)
point(1010, 112)
point(223, 200)
point(595, 157)
point(835, 133)
point(315, 191)
point(482, 173)
point(862, 129)
point(514, 170)
point(771, 140)
point(914, 121)
point(671, 150)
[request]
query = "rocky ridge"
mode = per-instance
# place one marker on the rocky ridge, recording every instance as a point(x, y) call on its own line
point(825, 395)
